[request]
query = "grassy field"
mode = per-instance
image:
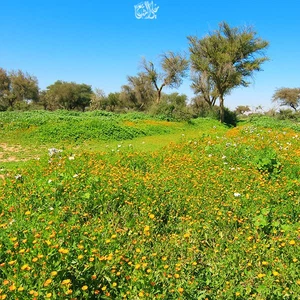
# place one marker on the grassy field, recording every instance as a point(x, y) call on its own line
point(134, 207)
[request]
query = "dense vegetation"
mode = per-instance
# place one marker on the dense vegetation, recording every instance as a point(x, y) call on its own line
point(212, 215)
point(220, 62)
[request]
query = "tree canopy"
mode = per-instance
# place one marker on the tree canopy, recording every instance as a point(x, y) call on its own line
point(174, 67)
point(287, 96)
point(67, 95)
point(241, 109)
point(225, 59)
point(139, 93)
point(17, 86)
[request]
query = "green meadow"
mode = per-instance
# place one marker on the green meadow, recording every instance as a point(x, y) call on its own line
point(98, 205)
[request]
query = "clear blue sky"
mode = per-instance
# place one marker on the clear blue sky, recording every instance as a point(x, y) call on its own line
point(100, 42)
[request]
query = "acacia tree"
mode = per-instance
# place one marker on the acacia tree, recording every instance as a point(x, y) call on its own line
point(241, 109)
point(204, 86)
point(4, 89)
point(200, 107)
point(227, 58)
point(174, 68)
point(98, 100)
point(24, 86)
point(17, 86)
point(287, 96)
point(139, 93)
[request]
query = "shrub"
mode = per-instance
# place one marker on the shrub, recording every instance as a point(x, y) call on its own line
point(266, 161)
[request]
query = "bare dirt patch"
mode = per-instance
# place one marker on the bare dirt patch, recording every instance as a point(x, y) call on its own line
point(7, 153)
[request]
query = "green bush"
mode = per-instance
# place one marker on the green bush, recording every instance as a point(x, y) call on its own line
point(288, 114)
point(266, 161)
point(172, 107)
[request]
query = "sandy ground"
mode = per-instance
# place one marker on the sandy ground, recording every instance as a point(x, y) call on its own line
point(6, 152)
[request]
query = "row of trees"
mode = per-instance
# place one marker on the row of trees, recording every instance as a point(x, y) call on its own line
point(219, 62)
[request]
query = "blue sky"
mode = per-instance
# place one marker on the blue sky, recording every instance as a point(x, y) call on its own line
point(100, 42)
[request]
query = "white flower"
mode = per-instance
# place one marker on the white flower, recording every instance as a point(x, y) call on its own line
point(223, 157)
point(119, 146)
point(53, 151)
point(237, 195)
point(75, 175)
point(49, 181)
point(71, 157)
point(18, 177)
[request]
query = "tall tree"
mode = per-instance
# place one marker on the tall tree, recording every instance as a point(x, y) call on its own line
point(227, 57)
point(287, 96)
point(174, 67)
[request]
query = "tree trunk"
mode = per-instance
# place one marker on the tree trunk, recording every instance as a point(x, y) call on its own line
point(221, 109)
point(159, 92)
point(294, 107)
point(158, 96)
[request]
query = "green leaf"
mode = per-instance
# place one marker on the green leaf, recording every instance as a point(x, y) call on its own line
point(87, 196)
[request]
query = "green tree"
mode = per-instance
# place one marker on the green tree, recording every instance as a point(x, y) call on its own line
point(241, 109)
point(139, 93)
point(200, 107)
point(174, 67)
point(227, 58)
point(204, 86)
point(23, 87)
point(17, 86)
point(98, 100)
point(287, 97)
point(4, 90)
point(173, 106)
point(67, 95)
point(83, 96)
point(113, 101)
